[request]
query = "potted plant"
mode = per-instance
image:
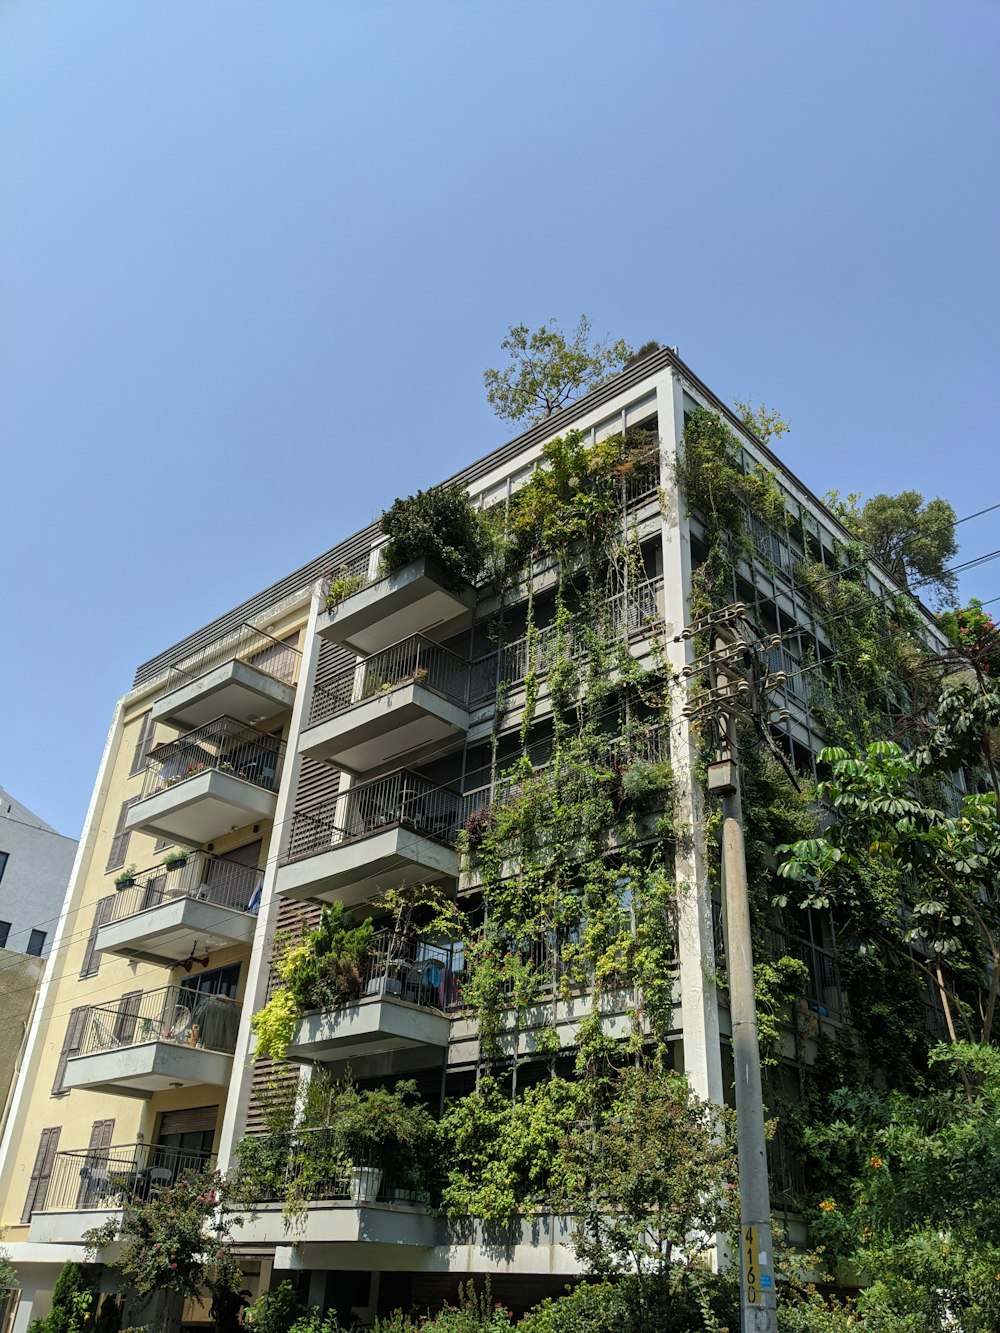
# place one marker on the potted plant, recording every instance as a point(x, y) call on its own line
point(386, 1134)
point(174, 860)
point(126, 878)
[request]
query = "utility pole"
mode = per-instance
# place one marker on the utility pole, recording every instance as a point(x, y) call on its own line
point(734, 692)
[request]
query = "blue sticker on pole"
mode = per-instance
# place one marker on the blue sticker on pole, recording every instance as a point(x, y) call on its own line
point(765, 1281)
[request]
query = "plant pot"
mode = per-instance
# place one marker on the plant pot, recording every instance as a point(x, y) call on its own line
point(364, 1183)
point(125, 883)
point(384, 986)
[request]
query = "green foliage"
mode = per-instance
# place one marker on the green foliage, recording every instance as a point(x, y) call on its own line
point(343, 584)
point(9, 1280)
point(778, 983)
point(72, 1301)
point(167, 1243)
point(918, 1203)
point(913, 538)
point(548, 368)
point(502, 1156)
point(973, 634)
point(441, 524)
point(653, 1179)
point(901, 872)
point(711, 475)
point(322, 972)
point(682, 1300)
point(275, 1311)
point(764, 421)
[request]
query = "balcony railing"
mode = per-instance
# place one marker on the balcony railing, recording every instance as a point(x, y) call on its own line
point(411, 970)
point(245, 644)
point(414, 661)
point(177, 1014)
point(272, 1165)
point(780, 659)
point(626, 615)
point(224, 745)
point(210, 879)
point(402, 799)
point(90, 1179)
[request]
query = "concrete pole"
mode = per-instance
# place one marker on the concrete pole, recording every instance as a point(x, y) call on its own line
point(757, 1292)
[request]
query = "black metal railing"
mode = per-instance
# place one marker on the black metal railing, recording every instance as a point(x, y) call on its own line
point(410, 969)
point(90, 1179)
point(402, 799)
point(824, 991)
point(225, 745)
point(631, 614)
point(318, 1165)
point(178, 1014)
point(246, 644)
point(413, 661)
point(210, 879)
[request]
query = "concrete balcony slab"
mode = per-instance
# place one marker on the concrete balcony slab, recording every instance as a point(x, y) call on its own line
point(370, 1026)
point(171, 930)
point(406, 723)
point(353, 872)
point(408, 601)
point(235, 689)
point(197, 809)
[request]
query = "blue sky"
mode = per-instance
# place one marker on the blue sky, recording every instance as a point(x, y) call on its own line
point(242, 237)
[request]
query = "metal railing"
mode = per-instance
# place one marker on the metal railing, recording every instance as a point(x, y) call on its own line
point(320, 1165)
point(178, 1014)
point(224, 744)
point(626, 615)
point(90, 1179)
point(406, 968)
point(400, 799)
point(780, 659)
point(210, 879)
point(413, 661)
point(824, 990)
point(245, 644)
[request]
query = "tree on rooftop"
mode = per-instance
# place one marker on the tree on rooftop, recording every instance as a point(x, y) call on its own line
point(914, 539)
point(548, 368)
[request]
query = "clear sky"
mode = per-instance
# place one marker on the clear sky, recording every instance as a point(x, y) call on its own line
point(255, 255)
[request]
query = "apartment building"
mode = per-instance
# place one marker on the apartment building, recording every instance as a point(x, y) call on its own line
point(307, 749)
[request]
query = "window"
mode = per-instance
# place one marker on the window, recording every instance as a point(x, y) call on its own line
point(36, 943)
point(4, 932)
point(4, 857)
point(119, 843)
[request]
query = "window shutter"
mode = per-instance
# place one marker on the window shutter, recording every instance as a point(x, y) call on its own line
point(119, 843)
point(41, 1172)
point(72, 1043)
point(100, 1136)
point(128, 1014)
point(198, 1119)
point(91, 958)
point(143, 745)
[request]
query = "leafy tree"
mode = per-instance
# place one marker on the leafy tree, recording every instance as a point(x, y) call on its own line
point(974, 637)
point(652, 1180)
point(766, 423)
point(918, 1208)
point(900, 873)
point(72, 1302)
point(9, 1280)
point(441, 524)
point(548, 368)
point(914, 539)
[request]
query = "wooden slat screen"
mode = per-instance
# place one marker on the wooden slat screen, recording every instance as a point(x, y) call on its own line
point(72, 1042)
point(91, 958)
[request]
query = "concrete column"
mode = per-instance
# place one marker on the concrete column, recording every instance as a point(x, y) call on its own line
point(696, 953)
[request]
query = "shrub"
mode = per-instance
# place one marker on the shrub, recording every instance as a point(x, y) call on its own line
point(441, 524)
point(275, 1311)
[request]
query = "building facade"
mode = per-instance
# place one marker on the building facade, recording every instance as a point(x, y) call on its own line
point(350, 735)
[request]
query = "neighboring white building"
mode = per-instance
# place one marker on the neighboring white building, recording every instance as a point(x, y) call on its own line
point(35, 865)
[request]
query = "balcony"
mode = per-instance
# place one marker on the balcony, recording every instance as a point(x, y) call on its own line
point(394, 831)
point(407, 701)
point(248, 676)
point(412, 600)
point(216, 778)
point(404, 990)
point(149, 1041)
point(89, 1185)
point(169, 913)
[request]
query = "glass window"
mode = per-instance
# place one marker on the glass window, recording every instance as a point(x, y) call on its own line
point(36, 943)
point(4, 932)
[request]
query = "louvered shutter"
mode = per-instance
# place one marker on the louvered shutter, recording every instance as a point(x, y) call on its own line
point(72, 1043)
point(96, 1161)
point(41, 1172)
point(119, 843)
point(91, 958)
point(128, 1014)
point(143, 745)
point(196, 1120)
